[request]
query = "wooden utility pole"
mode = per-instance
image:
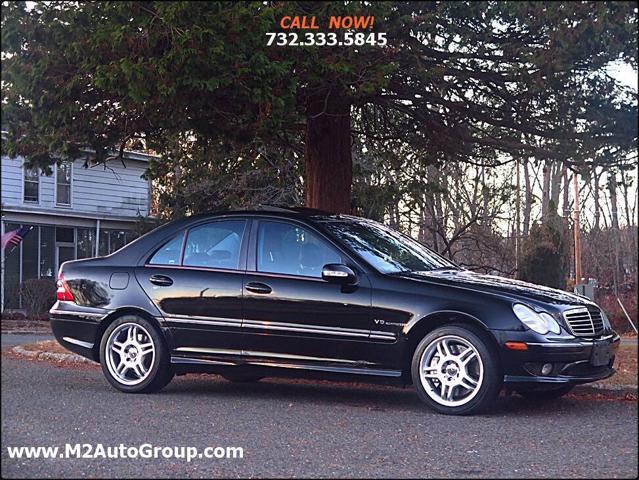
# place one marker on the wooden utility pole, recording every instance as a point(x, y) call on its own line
point(612, 188)
point(575, 182)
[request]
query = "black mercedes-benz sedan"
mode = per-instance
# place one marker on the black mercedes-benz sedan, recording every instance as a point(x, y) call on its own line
point(279, 291)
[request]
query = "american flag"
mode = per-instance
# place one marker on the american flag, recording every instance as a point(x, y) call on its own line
point(13, 238)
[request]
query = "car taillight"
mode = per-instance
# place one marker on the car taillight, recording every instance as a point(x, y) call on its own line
point(63, 293)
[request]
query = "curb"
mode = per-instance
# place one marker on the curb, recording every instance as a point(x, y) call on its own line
point(57, 357)
point(614, 391)
point(26, 332)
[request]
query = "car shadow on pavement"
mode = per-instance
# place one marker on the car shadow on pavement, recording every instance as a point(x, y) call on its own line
point(359, 395)
point(370, 396)
point(297, 390)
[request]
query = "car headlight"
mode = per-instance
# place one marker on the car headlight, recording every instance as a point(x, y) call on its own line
point(606, 321)
point(551, 323)
point(539, 322)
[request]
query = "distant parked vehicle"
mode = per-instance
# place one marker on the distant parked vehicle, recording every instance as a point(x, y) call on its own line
point(300, 292)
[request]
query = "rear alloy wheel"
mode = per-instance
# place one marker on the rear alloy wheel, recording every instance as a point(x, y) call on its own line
point(133, 356)
point(455, 370)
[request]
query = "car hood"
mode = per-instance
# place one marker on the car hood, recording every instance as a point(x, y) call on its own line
point(500, 285)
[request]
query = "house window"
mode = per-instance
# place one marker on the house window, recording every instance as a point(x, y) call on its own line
point(112, 240)
point(86, 242)
point(31, 185)
point(63, 183)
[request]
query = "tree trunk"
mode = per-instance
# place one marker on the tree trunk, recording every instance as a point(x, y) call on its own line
point(612, 188)
point(625, 182)
point(596, 197)
point(555, 188)
point(329, 167)
point(436, 209)
point(178, 206)
point(545, 192)
point(485, 199)
point(565, 202)
point(517, 214)
point(528, 199)
point(422, 220)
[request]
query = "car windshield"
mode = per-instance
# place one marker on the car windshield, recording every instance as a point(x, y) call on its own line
point(385, 249)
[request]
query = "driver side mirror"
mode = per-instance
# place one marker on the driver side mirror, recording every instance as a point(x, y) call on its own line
point(338, 273)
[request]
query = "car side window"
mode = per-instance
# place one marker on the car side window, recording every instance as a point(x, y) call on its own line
point(215, 245)
point(293, 250)
point(169, 254)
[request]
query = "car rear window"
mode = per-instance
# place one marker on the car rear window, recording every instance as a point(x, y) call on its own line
point(169, 253)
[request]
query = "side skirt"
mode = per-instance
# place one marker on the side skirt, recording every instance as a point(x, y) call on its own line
point(184, 363)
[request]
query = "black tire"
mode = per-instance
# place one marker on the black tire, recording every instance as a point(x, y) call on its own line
point(241, 377)
point(545, 395)
point(492, 379)
point(159, 373)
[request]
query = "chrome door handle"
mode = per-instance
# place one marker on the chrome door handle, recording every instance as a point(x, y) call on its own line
point(257, 287)
point(161, 280)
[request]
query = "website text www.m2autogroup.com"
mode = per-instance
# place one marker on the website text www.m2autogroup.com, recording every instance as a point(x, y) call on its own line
point(145, 450)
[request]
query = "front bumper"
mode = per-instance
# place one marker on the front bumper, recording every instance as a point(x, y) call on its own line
point(574, 360)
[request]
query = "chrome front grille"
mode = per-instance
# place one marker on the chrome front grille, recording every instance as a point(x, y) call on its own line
point(584, 322)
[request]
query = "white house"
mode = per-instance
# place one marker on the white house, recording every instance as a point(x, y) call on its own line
point(78, 211)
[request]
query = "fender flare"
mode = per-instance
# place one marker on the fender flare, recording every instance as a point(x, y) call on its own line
point(417, 320)
point(130, 310)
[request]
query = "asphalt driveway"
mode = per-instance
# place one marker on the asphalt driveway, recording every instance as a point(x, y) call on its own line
point(302, 428)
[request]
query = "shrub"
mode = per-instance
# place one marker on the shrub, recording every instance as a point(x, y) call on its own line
point(544, 259)
point(38, 296)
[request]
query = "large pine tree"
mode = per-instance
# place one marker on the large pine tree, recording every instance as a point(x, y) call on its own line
point(457, 80)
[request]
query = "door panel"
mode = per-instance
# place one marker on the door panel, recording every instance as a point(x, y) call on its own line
point(292, 314)
point(196, 281)
point(308, 318)
point(202, 307)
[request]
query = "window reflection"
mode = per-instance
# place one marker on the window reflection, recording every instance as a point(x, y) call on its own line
point(215, 245)
point(289, 249)
point(385, 249)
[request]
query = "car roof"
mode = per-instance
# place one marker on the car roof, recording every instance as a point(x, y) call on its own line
point(273, 210)
point(132, 252)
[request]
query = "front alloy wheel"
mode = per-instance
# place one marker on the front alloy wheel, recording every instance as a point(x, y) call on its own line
point(133, 356)
point(456, 371)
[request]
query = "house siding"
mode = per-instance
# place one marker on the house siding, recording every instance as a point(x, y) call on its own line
point(106, 204)
point(113, 191)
